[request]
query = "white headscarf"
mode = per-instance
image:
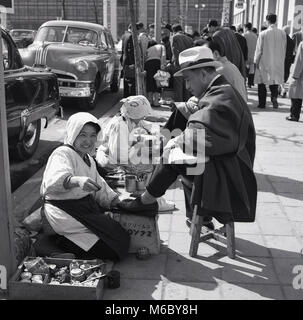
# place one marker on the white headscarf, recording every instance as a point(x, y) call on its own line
point(136, 107)
point(75, 124)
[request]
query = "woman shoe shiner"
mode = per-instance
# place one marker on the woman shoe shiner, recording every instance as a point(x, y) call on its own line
point(76, 198)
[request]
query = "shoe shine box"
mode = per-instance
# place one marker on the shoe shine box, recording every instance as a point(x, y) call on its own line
point(143, 231)
point(45, 291)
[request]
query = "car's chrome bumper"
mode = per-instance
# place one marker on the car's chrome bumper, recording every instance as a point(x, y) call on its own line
point(75, 88)
point(75, 92)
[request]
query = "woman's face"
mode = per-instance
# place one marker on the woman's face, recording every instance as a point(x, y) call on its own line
point(86, 140)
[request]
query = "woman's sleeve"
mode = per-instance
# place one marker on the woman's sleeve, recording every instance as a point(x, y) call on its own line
point(58, 168)
point(105, 195)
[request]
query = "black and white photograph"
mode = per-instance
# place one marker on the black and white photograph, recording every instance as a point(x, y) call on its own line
point(151, 153)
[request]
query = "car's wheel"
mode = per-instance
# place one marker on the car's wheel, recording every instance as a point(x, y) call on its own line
point(114, 87)
point(28, 145)
point(90, 103)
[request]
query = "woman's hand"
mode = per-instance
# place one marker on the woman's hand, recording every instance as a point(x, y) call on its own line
point(85, 183)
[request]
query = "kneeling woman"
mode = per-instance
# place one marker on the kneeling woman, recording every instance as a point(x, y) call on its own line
point(76, 196)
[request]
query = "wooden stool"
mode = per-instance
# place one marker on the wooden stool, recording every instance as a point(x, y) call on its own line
point(225, 235)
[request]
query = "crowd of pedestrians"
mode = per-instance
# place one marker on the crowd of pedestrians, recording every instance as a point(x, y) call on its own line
point(263, 59)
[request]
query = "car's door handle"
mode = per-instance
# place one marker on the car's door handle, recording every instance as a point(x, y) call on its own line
point(20, 79)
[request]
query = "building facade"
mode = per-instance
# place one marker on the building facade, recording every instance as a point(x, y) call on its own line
point(289, 12)
point(114, 14)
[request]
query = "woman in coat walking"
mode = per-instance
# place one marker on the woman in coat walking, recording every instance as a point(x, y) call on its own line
point(296, 86)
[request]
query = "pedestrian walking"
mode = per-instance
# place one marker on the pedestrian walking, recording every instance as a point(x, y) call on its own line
point(289, 59)
point(228, 70)
point(269, 59)
point(241, 39)
point(296, 86)
point(251, 39)
point(227, 40)
point(297, 39)
point(180, 42)
point(128, 64)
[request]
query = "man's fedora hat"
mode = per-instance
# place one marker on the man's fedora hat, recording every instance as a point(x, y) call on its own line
point(196, 57)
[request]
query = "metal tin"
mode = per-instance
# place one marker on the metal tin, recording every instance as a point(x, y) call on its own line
point(26, 275)
point(130, 183)
point(37, 278)
point(78, 274)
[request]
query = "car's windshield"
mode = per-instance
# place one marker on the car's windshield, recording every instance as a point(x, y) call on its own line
point(51, 34)
point(81, 36)
point(22, 33)
point(71, 35)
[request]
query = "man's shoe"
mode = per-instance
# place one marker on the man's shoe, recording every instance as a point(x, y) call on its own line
point(290, 118)
point(165, 205)
point(261, 107)
point(137, 207)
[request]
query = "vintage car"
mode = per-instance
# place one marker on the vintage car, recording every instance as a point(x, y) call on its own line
point(30, 96)
point(81, 54)
point(23, 37)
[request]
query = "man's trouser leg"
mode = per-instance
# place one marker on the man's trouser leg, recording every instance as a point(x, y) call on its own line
point(274, 89)
point(262, 95)
point(176, 121)
point(163, 177)
point(251, 77)
point(125, 88)
point(295, 110)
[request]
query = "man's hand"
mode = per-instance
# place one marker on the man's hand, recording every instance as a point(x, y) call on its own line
point(86, 184)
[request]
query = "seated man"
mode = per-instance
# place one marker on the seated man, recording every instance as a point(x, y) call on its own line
point(227, 189)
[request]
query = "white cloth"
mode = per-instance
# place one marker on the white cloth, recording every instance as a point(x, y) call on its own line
point(75, 124)
point(136, 107)
point(270, 56)
point(64, 162)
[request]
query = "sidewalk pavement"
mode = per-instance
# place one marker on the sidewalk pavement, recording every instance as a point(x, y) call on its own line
point(267, 250)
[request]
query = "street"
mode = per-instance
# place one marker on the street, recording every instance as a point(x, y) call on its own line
point(53, 136)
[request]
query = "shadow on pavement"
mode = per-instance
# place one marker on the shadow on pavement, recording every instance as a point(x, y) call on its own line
point(171, 275)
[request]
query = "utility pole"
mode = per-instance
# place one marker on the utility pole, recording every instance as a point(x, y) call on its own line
point(140, 80)
point(158, 18)
point(113, 19)
point(95, 11)
point(7, 250)
point(63, 11)
point(105, 13)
